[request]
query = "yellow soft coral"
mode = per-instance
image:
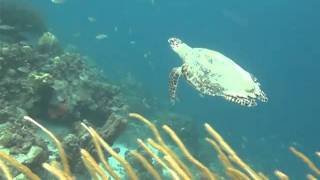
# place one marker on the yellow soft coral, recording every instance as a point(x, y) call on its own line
point(235, 167)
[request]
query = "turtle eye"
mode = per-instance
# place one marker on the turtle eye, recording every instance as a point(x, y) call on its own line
point(177, 42)
point(171, 41)
point(174, 41)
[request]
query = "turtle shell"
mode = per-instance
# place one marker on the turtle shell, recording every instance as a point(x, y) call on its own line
point(212, 73)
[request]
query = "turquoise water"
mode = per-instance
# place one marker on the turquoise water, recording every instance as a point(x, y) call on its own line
point(277, 41)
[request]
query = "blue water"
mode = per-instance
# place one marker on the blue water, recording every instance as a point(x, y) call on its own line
point(277, 41)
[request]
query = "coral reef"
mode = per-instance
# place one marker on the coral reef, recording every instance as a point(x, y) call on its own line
point(20, 141)
point(61, 86)
point(19, 20)
point(58, 87)
point(167, 164)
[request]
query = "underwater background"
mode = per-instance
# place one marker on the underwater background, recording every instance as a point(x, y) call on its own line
point(277, 41)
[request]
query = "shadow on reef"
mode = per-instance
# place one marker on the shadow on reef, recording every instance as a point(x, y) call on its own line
point(155, 159)
point(58, 87)
point(19, 20)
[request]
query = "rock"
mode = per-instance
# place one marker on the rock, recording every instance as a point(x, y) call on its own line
point(5, 51)
point(5, 135)
point(34, 155)
point(21, 177)
point(113, 127)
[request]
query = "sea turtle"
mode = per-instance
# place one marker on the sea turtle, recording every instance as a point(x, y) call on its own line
point(214, 74)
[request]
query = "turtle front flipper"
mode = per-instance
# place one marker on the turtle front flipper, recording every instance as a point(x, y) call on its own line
point(173, 83)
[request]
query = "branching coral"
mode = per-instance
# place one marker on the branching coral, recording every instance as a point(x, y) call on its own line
point(24, 169)
point(281, 175)
point(64, 160)
point(306, 160)
point(234, 166)
point(5, 170)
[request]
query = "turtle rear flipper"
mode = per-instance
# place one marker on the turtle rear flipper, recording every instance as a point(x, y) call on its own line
point(262, 97)
point(249, 102)
point(173, 83)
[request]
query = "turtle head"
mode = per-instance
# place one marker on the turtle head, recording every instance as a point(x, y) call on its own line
point(179, 47)
point(175, 43)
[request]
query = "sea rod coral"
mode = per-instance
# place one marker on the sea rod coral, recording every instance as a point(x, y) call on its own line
point(234, 166)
